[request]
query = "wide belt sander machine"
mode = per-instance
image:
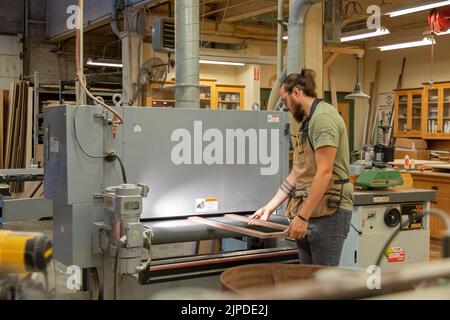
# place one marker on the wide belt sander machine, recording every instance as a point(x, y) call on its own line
point(132, 205)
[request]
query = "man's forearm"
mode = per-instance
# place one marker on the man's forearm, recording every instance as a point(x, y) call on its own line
point(283, 192)
point(318, 188)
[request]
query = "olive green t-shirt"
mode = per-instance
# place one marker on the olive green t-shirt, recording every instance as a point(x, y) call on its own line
point(327, 128)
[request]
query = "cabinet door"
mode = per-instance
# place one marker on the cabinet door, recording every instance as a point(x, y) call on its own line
point(446, 110)
point(401, 114)
point(229, 98)
point(432, 113)
point(442, 202)
point(415, 114)
point(205, 97)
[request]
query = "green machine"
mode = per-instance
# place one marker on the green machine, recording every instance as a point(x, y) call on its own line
point(378, 178)
point(381, 175)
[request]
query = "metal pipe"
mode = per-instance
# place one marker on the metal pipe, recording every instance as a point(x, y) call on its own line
point(280, 37)
point(296, 35)
point(114, 25)
point(275, 93)
point(79, 65)
point(187, 39)
point(296, 45)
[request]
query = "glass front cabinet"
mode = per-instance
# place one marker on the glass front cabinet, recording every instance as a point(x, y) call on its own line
point(436, 113)
point(408, 113)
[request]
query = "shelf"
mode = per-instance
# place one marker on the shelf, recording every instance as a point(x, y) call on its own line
point(229, 101)
point(434, 118)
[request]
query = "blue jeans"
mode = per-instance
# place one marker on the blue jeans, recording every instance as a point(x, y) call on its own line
point(323, 245)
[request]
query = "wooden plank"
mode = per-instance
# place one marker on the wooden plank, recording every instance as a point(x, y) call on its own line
point(31, 188)
point(334, 99)
point(29, 129)
point(9, 125)
point(330, 60)
point(2, 129)
point(373, 104)
point(441, 168)
point(353, 50)
point(240, 230)
point(257, 222)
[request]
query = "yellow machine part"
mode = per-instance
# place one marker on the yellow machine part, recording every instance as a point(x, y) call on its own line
point(22, 252)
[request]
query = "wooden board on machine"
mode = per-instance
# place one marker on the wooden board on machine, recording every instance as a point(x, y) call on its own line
point(441, 168)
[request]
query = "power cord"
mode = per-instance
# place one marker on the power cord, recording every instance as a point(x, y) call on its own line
point(113, 157)
point(357, 231)
point(110, 157)
point(78, 141)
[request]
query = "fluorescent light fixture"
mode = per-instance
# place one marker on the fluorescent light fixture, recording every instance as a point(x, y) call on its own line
point(104, 63)
point(423, 42)
point(226, 63)
point(285, 37)
point(418, 8)
point(376, 33)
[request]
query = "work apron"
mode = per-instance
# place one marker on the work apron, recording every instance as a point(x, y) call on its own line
point(304, 165)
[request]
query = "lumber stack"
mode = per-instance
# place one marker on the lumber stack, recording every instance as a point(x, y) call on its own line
point(17, 130)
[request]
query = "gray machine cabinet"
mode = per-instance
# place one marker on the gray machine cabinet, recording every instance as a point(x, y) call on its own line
point(175, 189)
point(145, 144)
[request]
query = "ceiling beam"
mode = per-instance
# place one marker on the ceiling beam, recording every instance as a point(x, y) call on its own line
point(231, 5)
point(250, 10)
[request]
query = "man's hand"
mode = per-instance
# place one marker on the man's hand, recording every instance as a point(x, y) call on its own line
point(298, 229)
point(262, 214)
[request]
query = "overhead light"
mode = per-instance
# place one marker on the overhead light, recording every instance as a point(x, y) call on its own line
point(418, 8)
point(285, 37)
point(423, 42)
point(226, 63)
point(104, 63)
point(357, 91)
point(378, 32)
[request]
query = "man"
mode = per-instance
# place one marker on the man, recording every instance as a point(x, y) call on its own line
point(319, 191)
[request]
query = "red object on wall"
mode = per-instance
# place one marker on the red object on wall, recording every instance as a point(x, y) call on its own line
point(439, 19)
point(256, 72)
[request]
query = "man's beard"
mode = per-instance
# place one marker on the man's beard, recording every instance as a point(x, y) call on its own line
point(298, 113)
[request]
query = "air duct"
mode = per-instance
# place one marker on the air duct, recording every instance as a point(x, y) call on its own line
point(296, 45)
point(187, 39)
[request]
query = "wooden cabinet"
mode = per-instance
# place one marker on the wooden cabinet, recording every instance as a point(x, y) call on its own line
point(440, 183)
point(408, 113)
point(436, 111)
point(165, 97)
point(207, 94)
point(230, 97)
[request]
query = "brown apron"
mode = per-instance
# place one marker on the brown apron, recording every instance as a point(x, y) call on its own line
point(304, 165)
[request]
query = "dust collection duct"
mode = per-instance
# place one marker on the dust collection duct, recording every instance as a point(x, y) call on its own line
point(187, 39)
point(296, 45)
